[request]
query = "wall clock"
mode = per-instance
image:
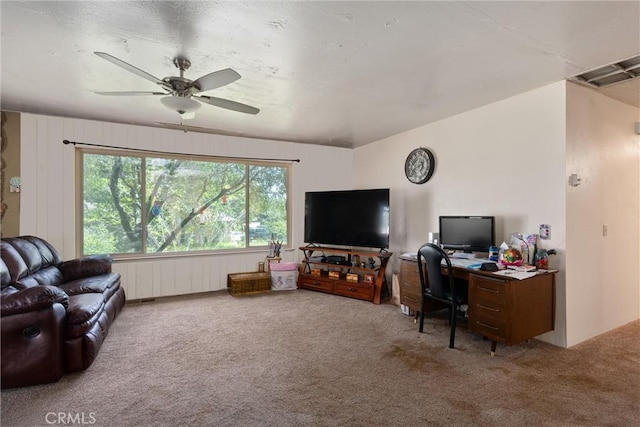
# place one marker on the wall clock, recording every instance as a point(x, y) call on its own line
point(419, 165)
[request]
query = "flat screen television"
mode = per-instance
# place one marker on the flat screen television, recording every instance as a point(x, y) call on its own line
point(467, 233)
point(357, 218)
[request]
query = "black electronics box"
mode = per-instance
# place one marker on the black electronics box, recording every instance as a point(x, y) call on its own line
point(488, 266)
point(337, 259)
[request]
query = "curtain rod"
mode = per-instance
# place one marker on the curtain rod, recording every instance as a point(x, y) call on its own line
point(67, 142)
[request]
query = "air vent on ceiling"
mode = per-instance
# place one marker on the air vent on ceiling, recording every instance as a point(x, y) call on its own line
point(611, 74)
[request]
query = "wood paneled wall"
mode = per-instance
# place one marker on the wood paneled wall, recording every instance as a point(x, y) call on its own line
point(48, 198)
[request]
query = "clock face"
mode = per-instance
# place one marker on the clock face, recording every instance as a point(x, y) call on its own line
point(419, 165)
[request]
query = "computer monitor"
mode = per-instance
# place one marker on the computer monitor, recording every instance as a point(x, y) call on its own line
point(467, 233)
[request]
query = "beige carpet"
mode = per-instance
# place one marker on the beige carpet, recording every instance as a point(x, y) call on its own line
point(301, 358)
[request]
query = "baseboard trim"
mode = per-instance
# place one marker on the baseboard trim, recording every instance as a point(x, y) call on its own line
point(139, 301)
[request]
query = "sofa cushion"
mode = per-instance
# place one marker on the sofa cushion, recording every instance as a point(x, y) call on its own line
point(91, 265)
point(48, 276)
point(83, 312)
point(82, 350)
point(16, 266)
point(98, 284)
point(48, 253)
point(8, 290)
point(29, 253)
point(5, 277)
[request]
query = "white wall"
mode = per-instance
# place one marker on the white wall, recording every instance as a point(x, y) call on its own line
point(48, 194)
point(603, 281)
point(505, 159)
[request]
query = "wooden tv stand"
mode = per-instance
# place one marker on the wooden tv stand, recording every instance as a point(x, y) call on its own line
point(318, 273)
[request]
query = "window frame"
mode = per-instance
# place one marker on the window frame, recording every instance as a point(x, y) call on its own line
point(143, 154)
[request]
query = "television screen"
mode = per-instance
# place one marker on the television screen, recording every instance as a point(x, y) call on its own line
point(468, 233)
point(357, 218)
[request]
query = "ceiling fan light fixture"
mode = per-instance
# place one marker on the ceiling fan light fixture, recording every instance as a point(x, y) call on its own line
point(188, 116)
point(178, 91)
point(186, 107)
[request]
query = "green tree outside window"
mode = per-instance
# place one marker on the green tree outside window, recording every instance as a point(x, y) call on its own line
point(143, 204)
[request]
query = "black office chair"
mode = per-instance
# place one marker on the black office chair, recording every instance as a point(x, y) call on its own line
point(437, 286)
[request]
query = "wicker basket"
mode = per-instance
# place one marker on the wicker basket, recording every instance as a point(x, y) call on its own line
point(248, 283)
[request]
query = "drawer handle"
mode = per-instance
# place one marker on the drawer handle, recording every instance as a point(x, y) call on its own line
point(489, 308)
point(488, 290)
point(353, 289)
point(487, 326)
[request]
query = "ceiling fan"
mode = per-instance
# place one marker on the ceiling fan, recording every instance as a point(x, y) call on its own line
point(181, 94)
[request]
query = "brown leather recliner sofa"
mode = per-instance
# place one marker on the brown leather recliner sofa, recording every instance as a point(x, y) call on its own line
point(54, 314)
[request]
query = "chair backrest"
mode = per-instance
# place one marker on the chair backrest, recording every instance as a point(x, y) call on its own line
point(432, 255)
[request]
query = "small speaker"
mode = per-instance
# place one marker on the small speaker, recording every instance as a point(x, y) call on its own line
point(637, 128)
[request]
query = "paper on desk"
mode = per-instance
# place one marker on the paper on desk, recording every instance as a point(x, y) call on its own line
point(410, 255)
point(520, 275)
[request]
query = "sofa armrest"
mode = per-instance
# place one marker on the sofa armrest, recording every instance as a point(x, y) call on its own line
point(88, 266)
point(32, 299)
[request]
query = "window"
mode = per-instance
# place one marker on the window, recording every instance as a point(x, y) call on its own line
point(138, 204)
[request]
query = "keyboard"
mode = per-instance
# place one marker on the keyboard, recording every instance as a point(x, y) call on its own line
point(463, 255)
point(456, 261)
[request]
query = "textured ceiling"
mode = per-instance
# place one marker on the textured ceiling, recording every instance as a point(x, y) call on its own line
point(331, 73)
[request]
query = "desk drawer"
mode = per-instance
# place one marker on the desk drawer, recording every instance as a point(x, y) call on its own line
point(415, 302)
point(411, 299)
point(409, 272)
point(487, 290)
point(409, 287)
point(488, 310)
point(495, 329)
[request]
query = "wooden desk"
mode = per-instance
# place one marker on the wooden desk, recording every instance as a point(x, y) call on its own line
point(501, 308)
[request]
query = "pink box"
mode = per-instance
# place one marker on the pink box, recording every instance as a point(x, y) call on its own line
point(283, 266)
point(284, 276)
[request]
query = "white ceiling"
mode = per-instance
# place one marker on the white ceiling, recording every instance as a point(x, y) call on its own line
point(332, 73)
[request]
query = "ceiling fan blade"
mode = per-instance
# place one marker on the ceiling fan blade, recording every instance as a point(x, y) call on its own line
point(129, 67)
point(215, 80)
point(228, 104)
point(130, 93)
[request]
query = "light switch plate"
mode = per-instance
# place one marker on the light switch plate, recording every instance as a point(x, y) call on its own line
point(574, 180)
